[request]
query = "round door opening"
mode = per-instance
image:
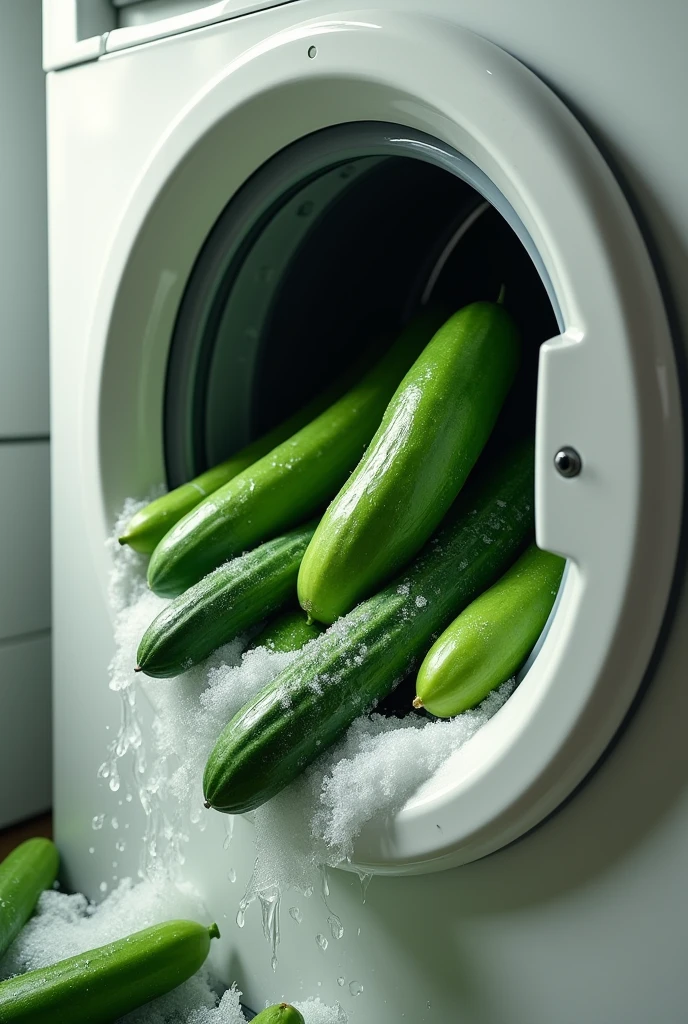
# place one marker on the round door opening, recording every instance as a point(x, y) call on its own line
point(330, 247)
point(333, 244)
point(251, 266)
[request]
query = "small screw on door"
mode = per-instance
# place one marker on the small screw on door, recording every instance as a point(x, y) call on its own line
point(568, 462)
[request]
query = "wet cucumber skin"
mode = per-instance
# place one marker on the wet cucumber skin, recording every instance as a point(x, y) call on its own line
point(222, 605)
point(146, 528)
point(357, 662)
point(103, 984)
point(431, 435)
point(24, 873)
point(282, 1013)
point(290, 483)
point(290, 631)
point(491, 638)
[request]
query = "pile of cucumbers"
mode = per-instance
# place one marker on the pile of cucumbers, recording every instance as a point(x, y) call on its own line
point(424, 556)
point(103, 984)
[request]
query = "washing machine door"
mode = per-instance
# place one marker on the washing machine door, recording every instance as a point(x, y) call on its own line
point(311, 102)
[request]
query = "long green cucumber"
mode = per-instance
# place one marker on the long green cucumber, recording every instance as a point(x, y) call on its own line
point(24, 874)
point(491, 638)
point(291, 482)
point(223, 604)
point(430, 437)
point(289, 631)
point(360, 659)
point(283, 1013)
point(103, 984)
point(145, 530)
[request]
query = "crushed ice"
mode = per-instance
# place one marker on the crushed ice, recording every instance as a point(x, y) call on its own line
point(378, 764)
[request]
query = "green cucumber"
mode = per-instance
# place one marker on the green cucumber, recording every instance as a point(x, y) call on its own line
point(145, 530)
point(283, 1013)
point(223, 604)
point(431, 435)
point(24, 874)
point(289, 631)
point(103, 984)
point(491, 638)
point(291, 482)
point(360, 659)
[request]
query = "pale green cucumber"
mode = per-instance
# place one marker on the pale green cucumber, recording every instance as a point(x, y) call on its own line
point(223, 604)
point(289, 631)
point(290, 483)
point(491, 638)
point(103, 984)
point(360, 659)
point(24, 874)
point(283, 1013)
point(146, 528)
point(429, 439)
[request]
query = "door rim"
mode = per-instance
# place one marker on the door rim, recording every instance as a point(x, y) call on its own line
point(618, 523)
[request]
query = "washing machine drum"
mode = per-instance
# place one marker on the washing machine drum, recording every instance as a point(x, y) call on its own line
point(324, 189)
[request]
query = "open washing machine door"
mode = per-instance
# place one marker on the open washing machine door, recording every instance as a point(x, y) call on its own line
point(343, 166)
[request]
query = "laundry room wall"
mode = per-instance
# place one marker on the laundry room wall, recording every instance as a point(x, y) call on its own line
point(25, 705)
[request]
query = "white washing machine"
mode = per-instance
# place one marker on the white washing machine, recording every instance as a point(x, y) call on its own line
point(237, 192)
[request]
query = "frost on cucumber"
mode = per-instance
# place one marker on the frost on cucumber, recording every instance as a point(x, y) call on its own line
point(231, 599)
point(24, 874)
point(431, 435)
point(282, 1013)
point(491, 638)
point(360, 659)
point(291, 482)
point(103, 984)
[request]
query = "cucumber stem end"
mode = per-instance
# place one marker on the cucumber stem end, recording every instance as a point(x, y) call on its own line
point(417, 703)
point(214, 931)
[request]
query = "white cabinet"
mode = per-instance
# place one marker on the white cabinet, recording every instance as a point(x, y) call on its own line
point(24, 539)
point(25, 675)
point(25, 729)
point(23, 215)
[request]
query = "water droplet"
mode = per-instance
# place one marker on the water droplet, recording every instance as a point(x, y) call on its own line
point(355, 988)
point(336, 926)
point(296, 914)
point(91, 849)
point(359, 930)
point(321, 941)
point(366, 878)
point(103, 886)
point(97, 821)
point(120, 845)
point(241, 917)
point(270, 908)
point(128, 798)
point(341, 982)
point(308, 892)
point(231, 875)
point(114, 783)
point(114, 863)
point(114, 823)
point(229, 832)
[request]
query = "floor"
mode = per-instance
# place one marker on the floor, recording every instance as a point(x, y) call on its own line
point(16, 834)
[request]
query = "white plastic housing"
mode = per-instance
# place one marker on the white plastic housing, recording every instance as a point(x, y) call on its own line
point(607, 384)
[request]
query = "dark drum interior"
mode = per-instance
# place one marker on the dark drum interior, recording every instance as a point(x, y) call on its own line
point(330, 246)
